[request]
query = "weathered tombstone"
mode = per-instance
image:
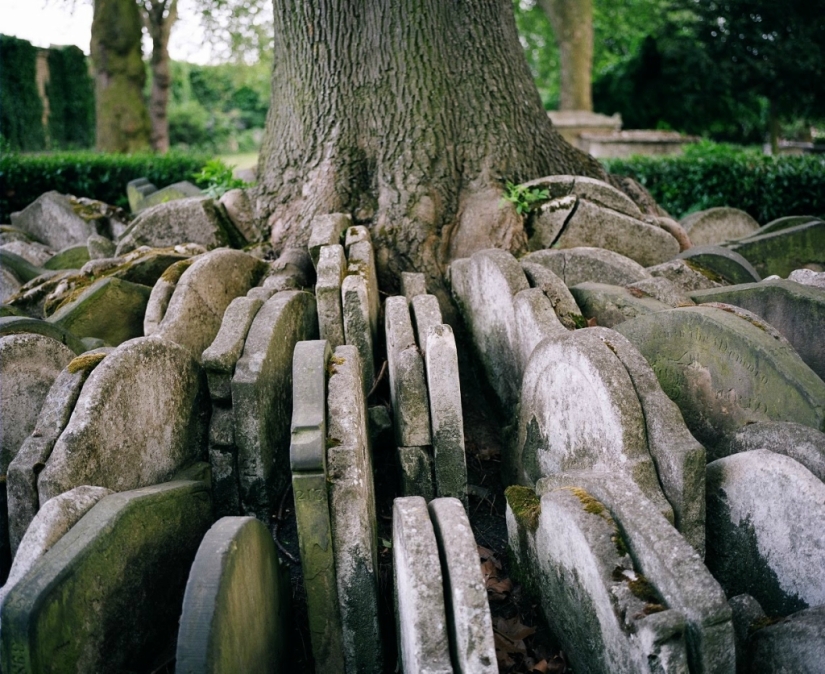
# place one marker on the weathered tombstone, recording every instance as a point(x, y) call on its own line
point(22, 269)
point(723, 372)
point(34, 253)
point(292, 270)
point(236, 604)
point(667, 561)
point(307, 454)
point(484, 286)
point(795, 644)
point(553, 286)
point(802, 443)
point(715, 225)
point(609, 305)
point(239, 210)
point(107, 596)
point(808, 277)
point(202, 294)
point(55, 412)
point(469, 623)
point(583, 264)
point(9, 284)
point(179, 190)
point(23, 325)
point(661, 289)
point(764, 530)
point(195, 219)
point(421, 617)
point(447, 419)
point(53, 220)
point(412, 284)
point(720, 264)
point(331, 268)
point(548, 221)
point(326, 230)
point(71, 257)
point(353, 515)
point(606, 615)
point(357, 330)
point(682, 275)
point(136, 190)
point(426, 314)
point(141, 417)
point(161, 293)
point(109, 309)
point(595, 191)
point(780, 252)
point(535, 320)
point(579, 410)
point(100, 247)
point(785, 223)
point(797, 311)
point(261, 402)
point(361, 260)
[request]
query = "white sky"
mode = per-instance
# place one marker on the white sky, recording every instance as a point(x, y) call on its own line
point(64, 22)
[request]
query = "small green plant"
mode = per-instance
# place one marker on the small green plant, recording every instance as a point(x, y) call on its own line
point(216, 178)
point(524, 198)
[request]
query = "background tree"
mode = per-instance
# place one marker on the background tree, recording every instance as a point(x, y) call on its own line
point(158, 17)
point(122, 121)
point(409, 115)
point(572, 22)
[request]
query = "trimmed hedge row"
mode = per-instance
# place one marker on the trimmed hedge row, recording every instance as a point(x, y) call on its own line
point(764, 186)
point(23, 178)
point(21, 111)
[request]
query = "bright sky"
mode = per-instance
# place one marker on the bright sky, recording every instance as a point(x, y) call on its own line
point(64, 22)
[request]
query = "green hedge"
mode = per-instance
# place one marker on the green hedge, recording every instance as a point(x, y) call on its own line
point(23, 178)
point(71, 100)
point(21, 111)
point(705, 176)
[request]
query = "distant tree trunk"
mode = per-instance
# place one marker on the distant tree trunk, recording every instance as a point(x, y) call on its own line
point(122, 120)
point(572, 22)
point(159, 16)
point(410, 115)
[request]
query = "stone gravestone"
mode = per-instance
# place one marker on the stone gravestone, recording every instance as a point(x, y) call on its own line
point(141, 417)
point(353, 516)
point(426, 314)
point(331, 268)
point(724, 372)
point(236, 605)
point(610, 305)
point(357, 330)
point(802, 443)
point(421, 618)
point(23, 471)
point(583, 264)
point(312, 507)
point(162, 292)
point(783, 251)
point(764, 530)
point(720, 264)
point(261, 403)
point(107, 596)
point(682, 275)
point(326, 230)
point(23, 325)
point(361, 261)
point(553, 287)
point(795, 644)
point(52, 219)
point(606, 615)
point(715, 225)
point(535, 320)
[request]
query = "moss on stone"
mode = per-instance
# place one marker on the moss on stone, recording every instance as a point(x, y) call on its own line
point(86, 361)
point(174, 271)
point(591, 505)
point(764, 621)
point(524, 503)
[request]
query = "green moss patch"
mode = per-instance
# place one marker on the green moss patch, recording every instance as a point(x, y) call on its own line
point(86, 361)
point(524, 503)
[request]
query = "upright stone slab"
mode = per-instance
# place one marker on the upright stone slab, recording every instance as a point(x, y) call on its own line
point(421, 618)
point(331, 268)
point(548, 221)
point(52, 219)
point(141, 417)
point(203, 293)
point(352, 509)
point(357, 330)
point(553, 286)
point(236, 605)
point(783, 251)
point(610, 305)
point(469, 623)
point(764, 528)
point(136, 190)
point(426, 314)
point(606, 616)
point(682, 275)
point(723, 372)
point(173, 192)
point(361, 260)
point(23, 325)
point(797, 311)
point(484, 286)
point(786, 222)
point(416, 464)
point(70, 257)
point(408, 389)
point(663, 290)
point(307, 453)
point(535, 320)
point(20, 267)
point(715, 225)
point(161, 294)
point(23, 471)
point(583, 264)
point(261, 402)
point(9, 284)
point(795, 644)
point(412, 284)
point(802, 443)
point(580, 410)
point(446, 416)
point(668, 562)
point(326, 230)
point(107, 596)
point(720, 264)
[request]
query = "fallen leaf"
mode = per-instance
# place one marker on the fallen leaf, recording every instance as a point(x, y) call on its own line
point(591, 322)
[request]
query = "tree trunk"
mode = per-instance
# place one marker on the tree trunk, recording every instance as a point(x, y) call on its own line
point(122, 120)
point(159, 16)
point(572, 22)
point(410, 115)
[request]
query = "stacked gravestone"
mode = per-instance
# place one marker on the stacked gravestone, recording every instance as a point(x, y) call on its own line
point(780, 252)
point(335, 507)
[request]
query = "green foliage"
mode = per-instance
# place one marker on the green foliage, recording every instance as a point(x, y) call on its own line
point(21, 112)
point(87, 174)
point(524, 198)
point(709, 175)
point(216, 178)
point(71, 99)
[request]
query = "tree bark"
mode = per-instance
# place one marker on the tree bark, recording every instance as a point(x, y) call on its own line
point(410, 115)
point(159, 16)
point(122, 123)
point(572, 22)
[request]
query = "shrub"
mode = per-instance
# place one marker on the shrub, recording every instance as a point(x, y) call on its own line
point(71, 100)
point(21, 111)
point(23, 178)
point(709, 175)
